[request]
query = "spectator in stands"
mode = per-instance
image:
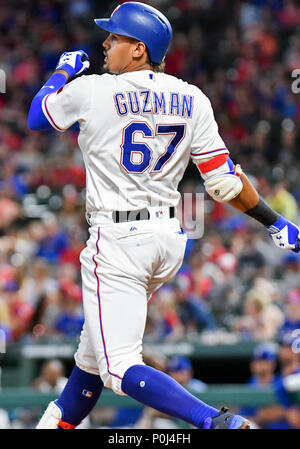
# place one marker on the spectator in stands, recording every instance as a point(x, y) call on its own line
point(70, 319)
point(283, 201)
point(181, 369)
point(52, 378)
point(20, 312)
point(261, 319)
point(193, 311)
point(262, 368)
point(286, 414)
point(289, 358)
point(166, 323)
point(263, 364)
point(292, 313)
point(38, 282)
point(10, 210)
point(251, 262)
point(290, 273)
point(54, 242)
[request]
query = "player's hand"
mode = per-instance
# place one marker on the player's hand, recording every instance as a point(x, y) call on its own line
point(285, 235)
point(74, 62)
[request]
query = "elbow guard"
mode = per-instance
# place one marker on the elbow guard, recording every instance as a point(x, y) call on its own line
point(222, 180)
point(223, 187)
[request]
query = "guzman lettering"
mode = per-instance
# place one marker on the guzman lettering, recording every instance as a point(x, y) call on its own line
point(141, 102)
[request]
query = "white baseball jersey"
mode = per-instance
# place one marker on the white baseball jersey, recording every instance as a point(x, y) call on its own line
point(138, 131)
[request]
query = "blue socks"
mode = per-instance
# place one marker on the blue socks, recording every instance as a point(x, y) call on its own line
point(158, 390)
point(79, 396)
point(143, 383)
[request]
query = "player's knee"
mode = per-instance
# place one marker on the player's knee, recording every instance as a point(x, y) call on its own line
point(113, 377)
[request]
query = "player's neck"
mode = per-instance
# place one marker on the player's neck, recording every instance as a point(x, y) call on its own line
point(137, 67)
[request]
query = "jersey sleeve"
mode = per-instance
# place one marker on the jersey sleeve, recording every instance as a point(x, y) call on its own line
point(206, 141)
point(68, 105)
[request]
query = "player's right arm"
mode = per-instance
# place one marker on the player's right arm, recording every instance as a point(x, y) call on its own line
point(225, 182)
point(70, 64)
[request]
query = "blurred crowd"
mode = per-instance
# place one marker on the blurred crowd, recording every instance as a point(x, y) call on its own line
point(242, 54)
point(232, 278)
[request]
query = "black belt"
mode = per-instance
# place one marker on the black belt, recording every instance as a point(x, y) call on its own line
point(120, 216)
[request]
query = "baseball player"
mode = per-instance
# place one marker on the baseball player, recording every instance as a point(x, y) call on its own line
point(138, 129)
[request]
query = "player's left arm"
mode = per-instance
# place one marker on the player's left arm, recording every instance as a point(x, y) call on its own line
point(234, 187)
point(70, 64)
point(226, 182)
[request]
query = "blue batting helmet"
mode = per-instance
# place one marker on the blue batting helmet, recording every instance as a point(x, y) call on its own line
point(141, 22)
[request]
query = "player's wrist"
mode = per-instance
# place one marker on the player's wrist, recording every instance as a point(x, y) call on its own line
point(263, 213)
point(66, 70)
point(62, 72)
point(278, 224)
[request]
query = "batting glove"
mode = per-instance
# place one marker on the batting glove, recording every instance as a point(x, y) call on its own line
point(285, 234)
point(74, 62)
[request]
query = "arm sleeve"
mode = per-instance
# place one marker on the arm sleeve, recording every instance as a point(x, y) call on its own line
point(206, 141)
point(70, 104)
point(36, 119)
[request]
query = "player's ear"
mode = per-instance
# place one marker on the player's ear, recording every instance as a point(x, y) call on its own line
point(139, 49)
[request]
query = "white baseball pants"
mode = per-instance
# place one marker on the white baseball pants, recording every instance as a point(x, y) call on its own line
point(121, 266)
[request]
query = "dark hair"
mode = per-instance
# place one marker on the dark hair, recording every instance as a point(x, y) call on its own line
point(158, 67)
